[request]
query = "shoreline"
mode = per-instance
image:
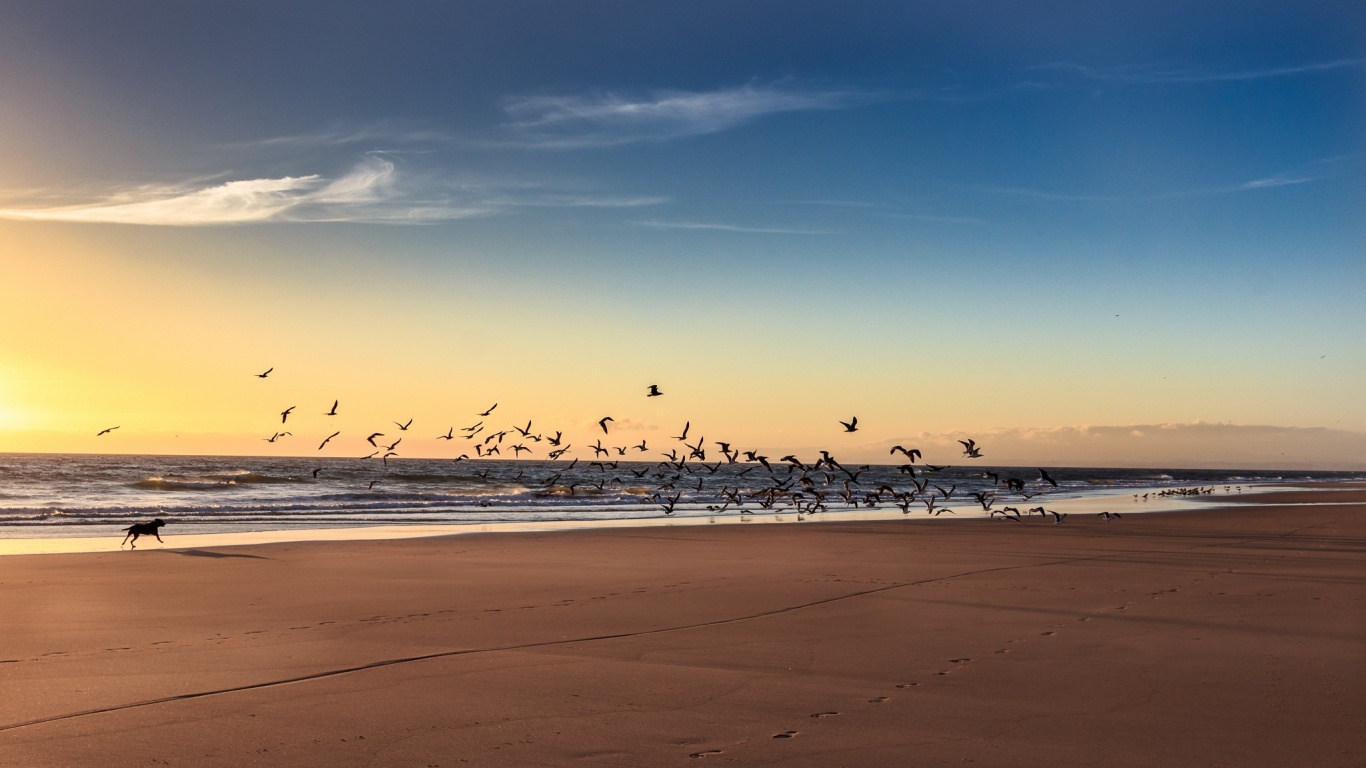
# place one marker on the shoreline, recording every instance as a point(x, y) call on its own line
point(1122, 501)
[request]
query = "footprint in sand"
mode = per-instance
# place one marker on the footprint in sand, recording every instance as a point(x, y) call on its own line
point(785, 735)
point(706, 752)
point(820, 715)
point(907, 685)
point(961, 661)
point(877, 700)
point(1046, 634)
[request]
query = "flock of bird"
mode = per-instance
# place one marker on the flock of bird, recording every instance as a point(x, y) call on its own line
point(784, 484)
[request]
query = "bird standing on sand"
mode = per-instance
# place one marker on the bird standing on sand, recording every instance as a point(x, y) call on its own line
point(654, 391)
point(851, 425)
point(105, 431)
point(284, 415)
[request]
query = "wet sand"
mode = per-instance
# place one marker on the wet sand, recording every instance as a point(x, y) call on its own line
point(1232, 636)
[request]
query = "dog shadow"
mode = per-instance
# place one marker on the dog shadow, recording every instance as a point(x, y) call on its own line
point(206, 553)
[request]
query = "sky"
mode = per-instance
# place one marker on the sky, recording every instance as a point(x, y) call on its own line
point(1079, 233)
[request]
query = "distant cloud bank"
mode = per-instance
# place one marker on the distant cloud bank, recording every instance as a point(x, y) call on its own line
point(1197, 444)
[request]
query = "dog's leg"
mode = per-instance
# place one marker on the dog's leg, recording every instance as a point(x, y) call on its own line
point(134, 545)
point(158, 535)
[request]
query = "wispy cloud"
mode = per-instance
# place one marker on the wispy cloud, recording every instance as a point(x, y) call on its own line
point(603, 120)
point(1158, 75)
point(372, 191)
point(698, 225)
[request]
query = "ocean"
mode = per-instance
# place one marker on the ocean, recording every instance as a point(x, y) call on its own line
point(50, 495)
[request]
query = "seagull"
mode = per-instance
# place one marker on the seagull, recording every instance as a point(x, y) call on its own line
point(490, 410)
point(1108, 516)
point(285, 413)
point(450, 435)
point(371, 439)
point(333, 412)
point(276, 436)
point(263, 375)
point(851, 425)
point(684, 436)
point(329, 438)
point(911, 455)
point(111, 429)
point(316, 471)
point(654, 391)
point(371, 486)
point(1043, 476)
point(970, 449)
point(603, 423)
point(404, 427)
point(395, 445)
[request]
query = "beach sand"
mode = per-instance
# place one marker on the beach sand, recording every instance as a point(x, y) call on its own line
point(1231, 636)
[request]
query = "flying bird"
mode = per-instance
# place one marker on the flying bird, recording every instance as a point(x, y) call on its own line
point(654, 391)
point(970, 449)
point(276, 436)
point(284, 415)
point(263, 375)
point(106, 431)
point(851, 425)
point(603, 423)
point(684, 436)
point(371, 439)
point(404, 427)
point(329, 438)
point(490, 410)
point(450, 435)
point(1043, 476)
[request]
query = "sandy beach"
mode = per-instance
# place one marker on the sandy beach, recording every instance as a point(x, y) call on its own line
point(1231, 636)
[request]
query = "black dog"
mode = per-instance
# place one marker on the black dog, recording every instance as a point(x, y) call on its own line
point(143, 529)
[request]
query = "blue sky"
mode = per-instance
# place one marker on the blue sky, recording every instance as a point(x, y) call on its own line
point(1049, 191)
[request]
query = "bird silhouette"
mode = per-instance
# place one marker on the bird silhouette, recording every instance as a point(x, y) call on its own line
point(263, 375)
point(105, 431)
point(333, 412)
point(284, 415)
point(654, 391)
point(490, 410)
point(329, 439)
point(683, 437)
point(970, 449)
point(1043, 476)
point(603, 423)
point(851, 425)
point(371, 438)
point(404, 427)
point(450, 435)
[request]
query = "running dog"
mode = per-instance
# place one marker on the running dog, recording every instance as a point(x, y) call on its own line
point(143, 529)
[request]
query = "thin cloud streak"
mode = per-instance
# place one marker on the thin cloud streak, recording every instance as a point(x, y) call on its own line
point(574, 122)
point(697, 225)
point(1156, 76)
